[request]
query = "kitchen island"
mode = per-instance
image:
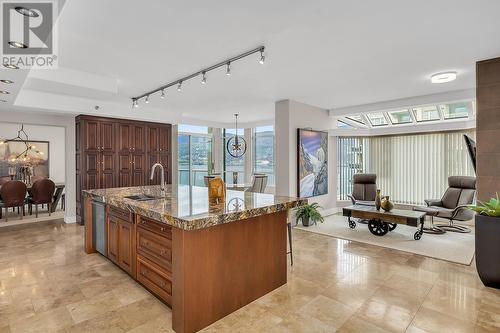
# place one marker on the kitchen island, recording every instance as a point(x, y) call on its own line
point(203, 260)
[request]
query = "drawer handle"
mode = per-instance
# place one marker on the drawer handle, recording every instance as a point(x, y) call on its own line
point(162, 229)
point(162, 252)
point(163, 284)
point(143, 222)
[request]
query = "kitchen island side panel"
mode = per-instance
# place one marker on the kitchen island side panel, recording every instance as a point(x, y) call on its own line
point(220, 269)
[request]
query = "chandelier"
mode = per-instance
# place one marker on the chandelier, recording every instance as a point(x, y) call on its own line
point(236, 146)
point(22, 136)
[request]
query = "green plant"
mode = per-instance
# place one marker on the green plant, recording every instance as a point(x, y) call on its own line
point(309, 211)
point(491, 208)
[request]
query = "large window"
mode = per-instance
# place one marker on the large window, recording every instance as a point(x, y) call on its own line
point(231, 164)
point(409, 168)
point(195, 154)
point(263, 152)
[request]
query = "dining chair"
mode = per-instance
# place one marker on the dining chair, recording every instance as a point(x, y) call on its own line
point(4, 179)
point(42, 192)
point(13, 194)
point(259, 183)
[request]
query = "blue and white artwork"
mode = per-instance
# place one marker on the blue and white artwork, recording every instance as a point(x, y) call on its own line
point(312, 163)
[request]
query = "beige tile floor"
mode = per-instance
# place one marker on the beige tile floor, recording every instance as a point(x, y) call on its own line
point(48, 284)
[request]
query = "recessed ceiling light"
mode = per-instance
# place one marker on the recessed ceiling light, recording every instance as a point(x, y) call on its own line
point(4, 92)
point(7, 81)
point(444, 77)
point(26, 11)
point(18, 45)
point(10, 66)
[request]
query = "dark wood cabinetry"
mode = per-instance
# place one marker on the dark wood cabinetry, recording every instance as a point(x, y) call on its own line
point(121, 239)
point(119, 153)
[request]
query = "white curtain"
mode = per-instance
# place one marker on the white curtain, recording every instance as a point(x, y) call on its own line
point(411, 168)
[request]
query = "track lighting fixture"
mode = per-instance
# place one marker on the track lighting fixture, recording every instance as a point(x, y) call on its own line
point(262, 57)
point(203, 73)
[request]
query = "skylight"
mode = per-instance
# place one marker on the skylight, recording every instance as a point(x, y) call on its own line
point(377, 119)
point(455, 110)
point(426, 113)
point(341, 124)
point(400, 117)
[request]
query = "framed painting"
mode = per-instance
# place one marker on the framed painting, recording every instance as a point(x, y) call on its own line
point(312, 163)
point(38, 157)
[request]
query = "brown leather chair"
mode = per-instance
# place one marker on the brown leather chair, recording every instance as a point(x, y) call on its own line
point(13, 194)
point(453, 205)
point(364, 189)
point(42, 192)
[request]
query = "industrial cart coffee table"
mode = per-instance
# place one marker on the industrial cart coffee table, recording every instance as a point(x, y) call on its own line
point(381, 222)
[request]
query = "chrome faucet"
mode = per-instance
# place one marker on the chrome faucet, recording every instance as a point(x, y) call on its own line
point(162, 184)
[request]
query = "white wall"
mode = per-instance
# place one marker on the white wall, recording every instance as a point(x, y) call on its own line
point(55, 135)
point(289, 116)
point(52, 125)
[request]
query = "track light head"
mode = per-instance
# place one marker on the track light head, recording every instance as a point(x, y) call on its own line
point(135, 104)
point(228, 69)
point(262, 57)
point(179, 86)
point(162, 94)
point(147, 99)
point(204, 78)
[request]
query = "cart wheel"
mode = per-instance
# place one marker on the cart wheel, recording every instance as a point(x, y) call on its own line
point(352, 224)
point(392, 226)
point(418, 235)
point(378, 228)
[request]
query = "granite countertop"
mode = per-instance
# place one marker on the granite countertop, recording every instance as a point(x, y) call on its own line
point(187, 207)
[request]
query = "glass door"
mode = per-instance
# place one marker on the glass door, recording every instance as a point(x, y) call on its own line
point(195, 158)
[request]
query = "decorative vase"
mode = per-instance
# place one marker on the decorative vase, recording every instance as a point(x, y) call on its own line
point(386, 204)
point(488, 250)
point(378, 200)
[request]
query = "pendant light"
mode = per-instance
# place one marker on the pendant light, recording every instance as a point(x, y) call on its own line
point(236, 146)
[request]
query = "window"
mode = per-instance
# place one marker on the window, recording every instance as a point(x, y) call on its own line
point(426, 113)
point(231, 164)
point(195, 154)
point(455, 110)
point(263, 152)
point(400, 117)
point(341, 124)
point(377, 119)
point(357, 119)
point(409, 168)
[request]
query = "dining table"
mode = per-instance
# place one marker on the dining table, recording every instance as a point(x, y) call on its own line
point(57, 194)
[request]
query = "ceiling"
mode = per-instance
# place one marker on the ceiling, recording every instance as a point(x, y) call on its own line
point(330, 54)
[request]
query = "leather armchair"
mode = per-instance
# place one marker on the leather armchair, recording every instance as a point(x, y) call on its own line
point(453, 205)
point(364, 189)
point(13, 194)
point(42, 192)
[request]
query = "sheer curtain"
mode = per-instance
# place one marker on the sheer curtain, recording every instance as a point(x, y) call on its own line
point(411, 168)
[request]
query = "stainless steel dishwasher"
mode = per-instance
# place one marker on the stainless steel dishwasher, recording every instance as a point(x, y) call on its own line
point(99, 227)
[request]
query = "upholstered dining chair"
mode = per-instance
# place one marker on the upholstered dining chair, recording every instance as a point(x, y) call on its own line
point(259, 183)
point(453, 205)
point(13, 194)
point(42, 192)
point(4, 179)
point(364, 189)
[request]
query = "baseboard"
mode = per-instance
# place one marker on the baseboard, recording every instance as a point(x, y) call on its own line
point(330, 211)
point(70, 219)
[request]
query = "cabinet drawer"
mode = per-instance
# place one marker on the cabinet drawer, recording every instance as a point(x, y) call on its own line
point(159, 228)
point(154, 279)
point(120, 213)
point(154, 247)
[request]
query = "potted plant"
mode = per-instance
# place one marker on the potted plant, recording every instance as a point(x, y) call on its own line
point(309, 214)
point(488, 241)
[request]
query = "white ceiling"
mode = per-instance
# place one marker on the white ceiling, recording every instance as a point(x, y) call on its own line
point(330, 54)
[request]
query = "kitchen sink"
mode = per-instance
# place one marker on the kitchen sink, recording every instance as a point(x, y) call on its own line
point(141, 197)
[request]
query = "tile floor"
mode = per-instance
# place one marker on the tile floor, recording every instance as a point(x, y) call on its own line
point(48, 284)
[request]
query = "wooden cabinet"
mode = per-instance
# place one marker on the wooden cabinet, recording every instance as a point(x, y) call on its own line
point(118, 153)
point(121, 239)
point(154, 257)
